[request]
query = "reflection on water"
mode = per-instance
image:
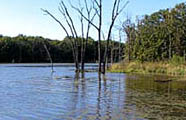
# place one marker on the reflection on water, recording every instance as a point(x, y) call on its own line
point(157, 100)
point(32, 93)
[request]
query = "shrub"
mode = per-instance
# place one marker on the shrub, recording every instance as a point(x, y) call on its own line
point(177, 60)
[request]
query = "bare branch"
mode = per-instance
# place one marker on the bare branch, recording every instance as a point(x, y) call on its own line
point(82, 25)
point(62, 12)
point(68, 15)
point(86, 6)
point(97, 3)
point(79, 11)
point(114, 8)
point(103, 35)
point(91, 19)
point(52, 16)
point(118, 5)
point(96, 10)
point(124, 6)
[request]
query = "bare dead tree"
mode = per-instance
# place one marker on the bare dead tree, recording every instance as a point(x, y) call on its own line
point(82, 42)
point(49, 56)
point(85, 40)
point(116, 11)
point(73, 37)
point(63, 9)
point(97, 6)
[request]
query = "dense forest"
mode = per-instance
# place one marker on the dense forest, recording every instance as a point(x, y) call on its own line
point(157, 37)
point(29, 49)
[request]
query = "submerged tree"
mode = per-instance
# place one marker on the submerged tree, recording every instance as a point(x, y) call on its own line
point(72, 35)
point(85, 36)
point(117, 8)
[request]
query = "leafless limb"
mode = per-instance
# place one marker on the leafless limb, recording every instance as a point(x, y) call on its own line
point(69, 17)
point(48, 13)
point(79, 11)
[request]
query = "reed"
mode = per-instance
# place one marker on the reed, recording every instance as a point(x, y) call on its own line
point(164, 67)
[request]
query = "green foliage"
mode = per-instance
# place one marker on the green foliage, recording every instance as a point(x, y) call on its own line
point(177, 60)
point(28, 49)
point(159, 36)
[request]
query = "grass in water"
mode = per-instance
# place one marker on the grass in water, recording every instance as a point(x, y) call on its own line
point(175, 66)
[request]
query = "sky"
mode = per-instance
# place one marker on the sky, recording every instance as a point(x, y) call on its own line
point(25, 16)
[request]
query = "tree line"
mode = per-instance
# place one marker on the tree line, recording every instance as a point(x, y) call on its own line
point(29, 49)
point(157, 37)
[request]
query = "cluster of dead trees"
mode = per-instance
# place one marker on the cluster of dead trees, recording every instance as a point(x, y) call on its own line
point(91, 15)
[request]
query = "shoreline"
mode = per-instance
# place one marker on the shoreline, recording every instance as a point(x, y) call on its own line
point(153, 68)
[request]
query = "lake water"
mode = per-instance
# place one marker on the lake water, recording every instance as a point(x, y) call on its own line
point(31, 92)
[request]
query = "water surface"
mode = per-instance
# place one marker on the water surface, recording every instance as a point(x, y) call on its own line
point(31, 92)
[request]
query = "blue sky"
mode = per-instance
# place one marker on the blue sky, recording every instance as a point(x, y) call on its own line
point(25, 16)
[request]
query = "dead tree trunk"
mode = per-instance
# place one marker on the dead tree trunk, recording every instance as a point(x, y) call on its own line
point(111, 54)
point(85, 40)
point(99, 12)
point(115, 12)
point(49, 56)
point(82, 45)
